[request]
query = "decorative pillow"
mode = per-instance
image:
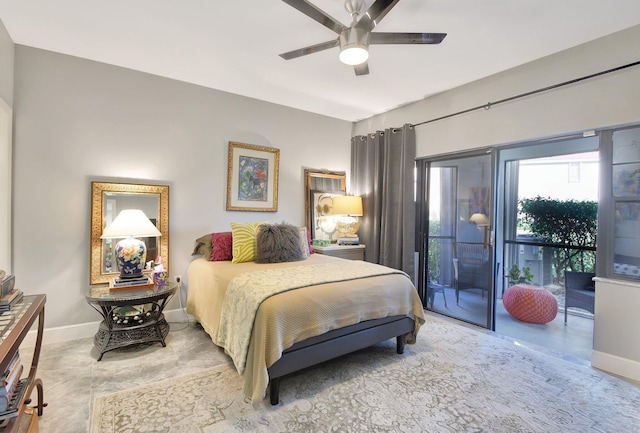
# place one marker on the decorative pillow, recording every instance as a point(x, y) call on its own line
point(222, 244)
point(276, 243)
point(309, 242)
point(304, 241)
point(244, 241)
point(203, 246)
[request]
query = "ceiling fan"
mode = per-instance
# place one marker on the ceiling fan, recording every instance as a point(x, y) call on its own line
point(354, 40)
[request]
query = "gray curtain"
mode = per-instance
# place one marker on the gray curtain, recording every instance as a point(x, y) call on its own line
point(382, 172)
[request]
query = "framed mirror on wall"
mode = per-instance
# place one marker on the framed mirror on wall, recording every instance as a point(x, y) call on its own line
point(317, 182)
point(107, 200)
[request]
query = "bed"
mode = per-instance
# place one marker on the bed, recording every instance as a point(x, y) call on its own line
point(300, 327)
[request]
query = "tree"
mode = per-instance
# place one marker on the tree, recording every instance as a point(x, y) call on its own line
point(568, 223)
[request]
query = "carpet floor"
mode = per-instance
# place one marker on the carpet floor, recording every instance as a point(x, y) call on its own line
point(455, 379)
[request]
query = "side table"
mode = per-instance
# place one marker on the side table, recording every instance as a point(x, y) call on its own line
point(121, 328)
point(351, 252)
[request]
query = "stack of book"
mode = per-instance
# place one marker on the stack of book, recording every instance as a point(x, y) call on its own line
point(10, 388)
point(8, 301)
point(130, 283)
point(6, 283)
point(348, 240)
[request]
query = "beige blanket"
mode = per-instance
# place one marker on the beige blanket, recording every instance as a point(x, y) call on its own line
point(247, 291)
point(295, 315)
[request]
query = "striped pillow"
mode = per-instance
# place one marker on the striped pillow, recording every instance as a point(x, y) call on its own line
point(244, 241)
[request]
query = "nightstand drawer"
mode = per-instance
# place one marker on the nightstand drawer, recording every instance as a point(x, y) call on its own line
point(351, 252)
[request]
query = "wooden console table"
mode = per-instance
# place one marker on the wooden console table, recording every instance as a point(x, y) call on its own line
point(25, 314)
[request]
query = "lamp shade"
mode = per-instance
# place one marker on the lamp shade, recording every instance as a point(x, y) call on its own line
point(479, 219)
point(130, 223)
point(347, 205)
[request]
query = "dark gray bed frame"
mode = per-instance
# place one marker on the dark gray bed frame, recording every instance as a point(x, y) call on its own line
point(336, 343)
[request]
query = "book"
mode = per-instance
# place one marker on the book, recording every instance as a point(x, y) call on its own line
point(117, 282)
point(348, 240)
point(11, 381)
point(10, 297)
point(138, 283)
point(6, 283)
point(16, 298)
point(14, 401)
point(14, 361)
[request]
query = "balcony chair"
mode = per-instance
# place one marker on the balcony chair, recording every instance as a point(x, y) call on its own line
point(579, 291)
point(470, 268)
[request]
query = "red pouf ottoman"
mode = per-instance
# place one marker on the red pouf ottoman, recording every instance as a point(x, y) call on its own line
point(533, 304)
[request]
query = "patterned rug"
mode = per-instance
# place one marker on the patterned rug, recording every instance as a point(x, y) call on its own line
point(455, 379)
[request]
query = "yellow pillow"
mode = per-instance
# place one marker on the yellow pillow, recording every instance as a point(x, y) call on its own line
point(244, 241)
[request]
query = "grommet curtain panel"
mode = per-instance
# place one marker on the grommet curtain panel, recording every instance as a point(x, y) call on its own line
point(382, 172)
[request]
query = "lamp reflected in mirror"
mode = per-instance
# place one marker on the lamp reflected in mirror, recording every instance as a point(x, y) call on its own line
point(131, 253)
point(347, 208)
point(482, 222)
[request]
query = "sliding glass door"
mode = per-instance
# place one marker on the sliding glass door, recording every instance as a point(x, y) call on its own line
point(455, 214)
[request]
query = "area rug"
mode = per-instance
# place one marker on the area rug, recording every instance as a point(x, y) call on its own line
point(455, 379)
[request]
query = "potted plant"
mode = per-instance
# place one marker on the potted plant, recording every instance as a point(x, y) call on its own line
point(519, 276)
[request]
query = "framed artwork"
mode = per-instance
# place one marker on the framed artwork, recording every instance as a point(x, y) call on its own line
point(252, 178)
point(323, 223)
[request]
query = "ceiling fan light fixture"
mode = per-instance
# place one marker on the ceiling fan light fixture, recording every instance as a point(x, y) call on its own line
point(354, 55)
point(354, 47)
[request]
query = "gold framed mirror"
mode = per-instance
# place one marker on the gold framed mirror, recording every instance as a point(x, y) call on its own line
point(107, 200)
point(320, 180)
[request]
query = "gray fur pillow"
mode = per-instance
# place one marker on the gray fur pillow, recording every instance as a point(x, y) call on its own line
point(276, 243)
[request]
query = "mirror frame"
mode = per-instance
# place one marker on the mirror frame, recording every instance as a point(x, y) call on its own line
point(309, 175)
point(96, 276)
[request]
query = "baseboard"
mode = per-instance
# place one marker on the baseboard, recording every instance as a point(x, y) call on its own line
point(84, 330)
point(615, 364)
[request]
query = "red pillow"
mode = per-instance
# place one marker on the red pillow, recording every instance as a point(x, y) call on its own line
point(222, 246)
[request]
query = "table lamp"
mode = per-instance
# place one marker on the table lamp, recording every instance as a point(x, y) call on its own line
point(347, 207)
point(131, 253)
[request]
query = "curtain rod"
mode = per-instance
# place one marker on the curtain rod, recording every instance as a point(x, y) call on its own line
point(488, 105)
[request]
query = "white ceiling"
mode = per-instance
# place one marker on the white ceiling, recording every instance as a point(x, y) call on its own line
point(234, 45)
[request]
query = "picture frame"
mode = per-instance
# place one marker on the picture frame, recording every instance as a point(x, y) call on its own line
point(252, 178)
point(323, 224)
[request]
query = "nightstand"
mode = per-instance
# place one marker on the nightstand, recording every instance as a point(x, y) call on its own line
point(351, 252)
point(121, 327)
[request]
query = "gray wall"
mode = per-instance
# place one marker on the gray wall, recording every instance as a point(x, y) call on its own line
point(78, 120)
point(6, 66)
point(6, 146)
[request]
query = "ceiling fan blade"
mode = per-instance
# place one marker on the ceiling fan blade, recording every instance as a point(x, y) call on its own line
point(361, 69)
point(405, 38)
point(310, 49)
point(375, 13)
point(314, 13)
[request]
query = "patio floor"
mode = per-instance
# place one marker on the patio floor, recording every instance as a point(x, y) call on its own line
point(573, 340)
